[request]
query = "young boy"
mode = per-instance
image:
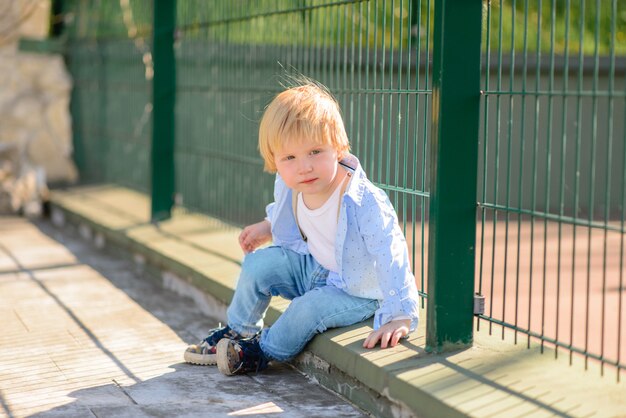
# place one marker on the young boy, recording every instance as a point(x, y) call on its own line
point(338, 252)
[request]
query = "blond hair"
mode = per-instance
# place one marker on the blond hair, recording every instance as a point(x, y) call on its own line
point(305, 111)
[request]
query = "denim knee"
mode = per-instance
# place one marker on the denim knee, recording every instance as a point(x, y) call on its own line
point(256, 267)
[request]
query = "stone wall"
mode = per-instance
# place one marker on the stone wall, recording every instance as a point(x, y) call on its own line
point(35, 124)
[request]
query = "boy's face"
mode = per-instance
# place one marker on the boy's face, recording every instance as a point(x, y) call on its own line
point(308, 167)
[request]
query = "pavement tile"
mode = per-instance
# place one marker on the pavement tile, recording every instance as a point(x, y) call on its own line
point(89, 335)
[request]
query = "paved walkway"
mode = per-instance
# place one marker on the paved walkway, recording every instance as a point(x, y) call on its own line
point(85, 334)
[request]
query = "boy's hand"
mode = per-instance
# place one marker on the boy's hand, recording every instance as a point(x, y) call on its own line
point(255, 235)
point(389, 334)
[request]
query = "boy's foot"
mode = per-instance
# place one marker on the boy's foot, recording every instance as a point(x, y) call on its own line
point(203, 353)
point(241, 356)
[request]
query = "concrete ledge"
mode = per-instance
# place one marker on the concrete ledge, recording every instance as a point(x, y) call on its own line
point(494, 378)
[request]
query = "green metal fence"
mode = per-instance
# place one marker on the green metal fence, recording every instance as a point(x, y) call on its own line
point(551, 190)
point(233, 58)
point(109, 57)
point(531, 128)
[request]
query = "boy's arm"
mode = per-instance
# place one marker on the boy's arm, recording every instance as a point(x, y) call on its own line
point(385, 242)
point(255, 235)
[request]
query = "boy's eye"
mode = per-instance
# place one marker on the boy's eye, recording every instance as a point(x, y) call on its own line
point(315, 151)
point(289, 157)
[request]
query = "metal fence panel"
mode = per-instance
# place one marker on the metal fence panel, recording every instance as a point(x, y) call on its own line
point(551, 188)
point(234, 57)
point(109, 57)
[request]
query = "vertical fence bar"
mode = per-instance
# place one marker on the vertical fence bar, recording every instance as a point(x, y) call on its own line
point(452, 225)
point(164, 95)
point(56, 18)
point(427, 103)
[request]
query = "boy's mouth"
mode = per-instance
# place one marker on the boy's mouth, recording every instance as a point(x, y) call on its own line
point(309, 181)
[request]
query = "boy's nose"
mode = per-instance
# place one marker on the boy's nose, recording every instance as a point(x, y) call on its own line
point(305, 167)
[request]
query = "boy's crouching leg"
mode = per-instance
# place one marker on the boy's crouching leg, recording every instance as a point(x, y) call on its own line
point(313, 313)
point(265, 273)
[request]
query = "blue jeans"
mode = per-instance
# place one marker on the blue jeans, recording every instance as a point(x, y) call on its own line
point(315, 307)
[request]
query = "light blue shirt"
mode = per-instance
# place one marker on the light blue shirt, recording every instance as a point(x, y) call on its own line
point(370, 248)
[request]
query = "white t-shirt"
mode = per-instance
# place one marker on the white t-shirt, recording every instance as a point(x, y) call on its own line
point(320, 227)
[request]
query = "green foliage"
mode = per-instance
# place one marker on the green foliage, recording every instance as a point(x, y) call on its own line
point(384, 23)
point(89, 19)
point(556, 26)
point(550, 26)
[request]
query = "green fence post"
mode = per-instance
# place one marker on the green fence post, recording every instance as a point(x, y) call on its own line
point(164, 96)
point(454, 151)
point(56, 18)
